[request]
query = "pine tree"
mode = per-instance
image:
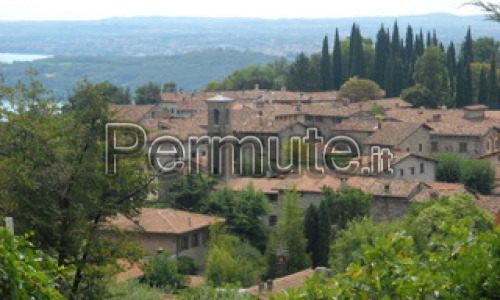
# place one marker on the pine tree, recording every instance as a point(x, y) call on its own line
point(324, 235)
point(311, 231)
point(356, 53)
point(493, 100)
point(382, 51)
point(482, 94)
point(326, 69)
point(337, 62)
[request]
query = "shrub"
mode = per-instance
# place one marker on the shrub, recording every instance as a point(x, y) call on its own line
point(186, 265)
point(162, 271)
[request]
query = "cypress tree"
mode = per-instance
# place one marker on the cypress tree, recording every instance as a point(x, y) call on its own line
point(337, 62)
point(409, 58)
point(429, 40)
point(326, 69)
point(312, 233)
point(396, 46)
point(460, 86)
point(493, 100)
point(482, 93)
point(451, 63)
point(467, 60)
point(419, 47)
point(382, 50)
point(409, 43)
point(394, 68)
point(435, 41)
point(356, 53)
point(324, 234)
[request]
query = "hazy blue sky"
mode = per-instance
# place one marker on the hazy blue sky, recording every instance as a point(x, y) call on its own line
point(98, 9)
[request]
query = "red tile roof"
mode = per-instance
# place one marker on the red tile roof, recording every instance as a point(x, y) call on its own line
point(168, 220)
point(291, 281)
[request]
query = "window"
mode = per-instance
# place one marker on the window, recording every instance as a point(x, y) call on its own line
point(195, 240)
point(434, 146)
point(412, 170)
point(184, 243)
point(216, 116)
point(273, 220)
point(422, 170)
point(401, 172)
point(488, 146)
point(462, 147)
point(420, 147)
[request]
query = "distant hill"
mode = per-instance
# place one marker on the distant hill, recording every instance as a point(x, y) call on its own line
point(190, 71)
point(174, 35)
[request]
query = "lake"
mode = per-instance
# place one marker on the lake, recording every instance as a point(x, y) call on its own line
point(9, 58)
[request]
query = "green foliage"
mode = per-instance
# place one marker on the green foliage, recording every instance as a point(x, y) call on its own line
point(357, 66)
point(288, 235)
point(326, 68)
point(242, 211)
point(431, 72)
point(419, 95)
point(213, 293)
point(190, 192)
point(458, 257)
point(25, 273)
point(358, 89)
point(269, 76)
point(347, 204)
point(186, 265)
point(476, 174)
point(231, 261)
point(337, 76)
point(133, 290)
point(296, 153)
point(304, 74)
point(161, 271)
point(148, 94)
point(54, 183)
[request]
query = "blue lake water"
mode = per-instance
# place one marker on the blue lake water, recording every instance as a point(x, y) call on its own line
point(12, 57)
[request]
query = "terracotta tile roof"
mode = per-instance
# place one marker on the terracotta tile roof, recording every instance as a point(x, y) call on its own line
point(315, 184)
point(168, 221)
point(494, 114)
point(445, 186)
point(265, 185)
point(355, 125)
point(291, 281)
point(366, 160)
point(130, 113)
point(476, 107)
point(179, 128)
point(392, 133)
point(449, 122)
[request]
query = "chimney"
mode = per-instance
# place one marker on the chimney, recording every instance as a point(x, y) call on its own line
point(436, 118)
point(298, 108)
point(379, 125)
point(189, 222)
point(397, 105)
point(270, 284)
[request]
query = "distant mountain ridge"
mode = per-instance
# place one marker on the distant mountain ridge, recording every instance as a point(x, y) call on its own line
point(174, 35)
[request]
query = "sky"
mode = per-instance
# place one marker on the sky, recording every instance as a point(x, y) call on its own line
point(269, 9)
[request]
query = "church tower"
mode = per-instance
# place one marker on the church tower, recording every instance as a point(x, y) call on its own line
point(219, 124)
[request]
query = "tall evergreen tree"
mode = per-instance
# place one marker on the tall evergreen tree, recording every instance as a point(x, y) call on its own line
point(311, 231)
point(435, 41)
point(460, 86)
point(356, 53)
point(395, 45)
point(337, 62)
point(493, 100)
point(326, 69)
point(467, 60)
point(409, 43)
point(451, 64)
point(482, 93)
point(324, 235)
point(394, 67)
point(382, 53)
point(409, 58)
point(419, 44)
point(429, 39)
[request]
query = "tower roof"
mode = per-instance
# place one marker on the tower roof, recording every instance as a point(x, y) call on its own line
point(220, 98)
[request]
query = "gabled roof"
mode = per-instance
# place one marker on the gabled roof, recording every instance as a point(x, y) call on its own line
point(130, 113)
point(393, 133)
point(167, 221)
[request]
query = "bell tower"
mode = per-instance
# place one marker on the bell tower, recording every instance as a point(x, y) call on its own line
point(219, 125)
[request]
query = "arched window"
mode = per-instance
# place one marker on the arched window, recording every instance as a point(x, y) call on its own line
point(216, 116)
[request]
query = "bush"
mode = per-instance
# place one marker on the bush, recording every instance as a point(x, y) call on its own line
point(419, 95)
point(358, 89)
point(133, 290)
point(162, 271)
point(186, 265)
